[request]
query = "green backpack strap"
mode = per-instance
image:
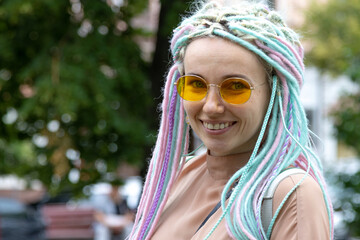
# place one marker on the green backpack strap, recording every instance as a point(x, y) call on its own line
point(266, 208)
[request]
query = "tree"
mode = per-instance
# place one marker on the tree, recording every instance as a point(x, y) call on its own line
point(169, 17)
point(74, 91)
point(334, 33)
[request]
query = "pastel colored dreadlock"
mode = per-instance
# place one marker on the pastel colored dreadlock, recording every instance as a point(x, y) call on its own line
point(284, 137)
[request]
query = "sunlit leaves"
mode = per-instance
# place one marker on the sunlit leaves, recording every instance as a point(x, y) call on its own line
point(333, 30)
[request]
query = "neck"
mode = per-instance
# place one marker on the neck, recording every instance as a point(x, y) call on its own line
point(223, 167)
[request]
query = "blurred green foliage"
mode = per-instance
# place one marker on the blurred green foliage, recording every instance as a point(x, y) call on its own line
point(74, 91)
point(347, 199)
point(333, 31)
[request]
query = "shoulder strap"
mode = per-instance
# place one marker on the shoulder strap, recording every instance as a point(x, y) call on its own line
point(266, 208)
point(213, 211)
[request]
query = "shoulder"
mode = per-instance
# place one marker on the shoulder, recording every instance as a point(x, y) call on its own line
point(306, 187)
point(303, 215)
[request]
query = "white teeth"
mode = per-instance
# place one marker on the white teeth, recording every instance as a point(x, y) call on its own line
point(217, 126)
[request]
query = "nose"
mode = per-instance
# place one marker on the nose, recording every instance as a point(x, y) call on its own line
point(213, 102)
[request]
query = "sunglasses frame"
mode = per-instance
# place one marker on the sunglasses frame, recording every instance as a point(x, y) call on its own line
point(208, 85)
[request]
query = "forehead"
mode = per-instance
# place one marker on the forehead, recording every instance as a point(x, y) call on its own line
point(217, 56)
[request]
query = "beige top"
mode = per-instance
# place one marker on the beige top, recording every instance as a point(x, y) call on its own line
point(199, 187)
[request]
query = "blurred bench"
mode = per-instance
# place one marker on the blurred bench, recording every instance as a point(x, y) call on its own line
point(68, 222)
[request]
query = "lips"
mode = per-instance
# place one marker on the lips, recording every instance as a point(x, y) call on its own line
point(217, 126)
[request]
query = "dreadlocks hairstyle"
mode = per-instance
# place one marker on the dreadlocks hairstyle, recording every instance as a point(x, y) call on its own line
point(286, 142)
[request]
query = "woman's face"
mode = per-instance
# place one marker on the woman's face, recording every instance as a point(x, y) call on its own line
point(216, 59)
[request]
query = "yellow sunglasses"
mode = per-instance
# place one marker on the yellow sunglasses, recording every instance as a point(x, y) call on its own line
point(232, 90)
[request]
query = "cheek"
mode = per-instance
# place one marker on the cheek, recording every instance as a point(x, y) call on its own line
point(262, 100)
point(186, 107)
point(190, 109)
point(255, 110)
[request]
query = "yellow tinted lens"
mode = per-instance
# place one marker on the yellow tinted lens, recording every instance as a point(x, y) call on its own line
point(191, 88)
point(235, 91)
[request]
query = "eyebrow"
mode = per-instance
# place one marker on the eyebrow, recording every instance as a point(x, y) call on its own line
point(226, 76)
point(237, 76)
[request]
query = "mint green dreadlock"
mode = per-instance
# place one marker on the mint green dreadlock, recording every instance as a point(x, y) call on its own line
point(287, 142)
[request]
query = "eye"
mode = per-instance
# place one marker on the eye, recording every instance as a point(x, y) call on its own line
point(237, 85)
point(198, 84)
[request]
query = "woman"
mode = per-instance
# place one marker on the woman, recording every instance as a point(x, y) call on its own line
point(237, 73)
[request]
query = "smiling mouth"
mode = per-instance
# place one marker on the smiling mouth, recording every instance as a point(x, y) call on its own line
point(217, 126)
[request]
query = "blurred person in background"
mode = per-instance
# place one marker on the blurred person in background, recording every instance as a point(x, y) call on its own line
point(114, 218)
